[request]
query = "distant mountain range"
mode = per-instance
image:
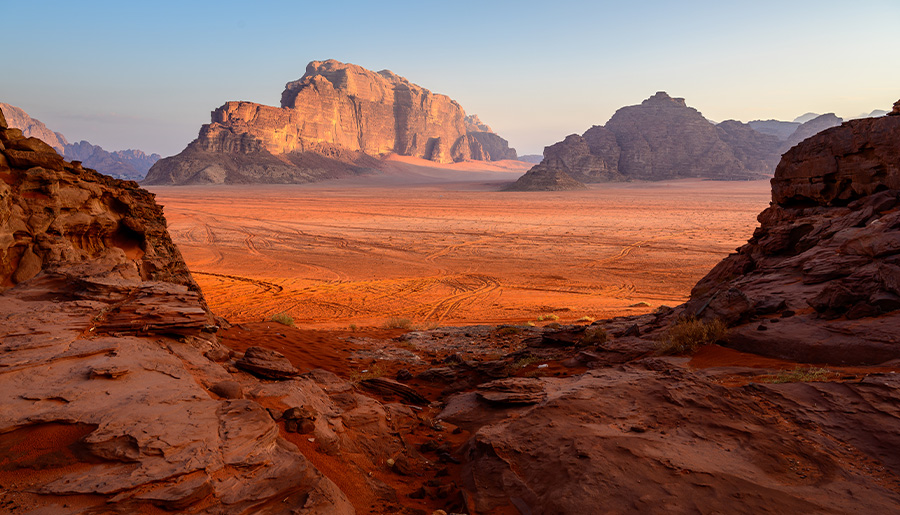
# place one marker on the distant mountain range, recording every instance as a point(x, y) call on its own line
point(663, 138)
point(122, 164)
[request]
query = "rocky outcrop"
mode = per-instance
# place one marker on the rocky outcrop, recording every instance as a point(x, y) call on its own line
point(818, 279)
point(541, 179)
point(121, 164)
point(342, 113)
point(649, 437)
point(106, 391)
point(661, 139)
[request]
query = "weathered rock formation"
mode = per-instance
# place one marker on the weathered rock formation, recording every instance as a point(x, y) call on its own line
point(115, 395)
point(660, 139)
point(339, 113)
point(121, 164)
point(651, 437)
point(819, 279)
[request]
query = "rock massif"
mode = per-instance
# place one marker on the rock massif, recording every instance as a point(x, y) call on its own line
point(121, 164)
point(662, 138)
point(333, 121)
point(818, 280)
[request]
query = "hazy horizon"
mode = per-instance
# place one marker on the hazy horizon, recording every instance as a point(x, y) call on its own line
point(147, 76)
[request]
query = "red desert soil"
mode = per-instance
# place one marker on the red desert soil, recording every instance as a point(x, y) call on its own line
point(361, 251)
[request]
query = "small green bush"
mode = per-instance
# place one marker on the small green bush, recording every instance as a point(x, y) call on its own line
point(397, 323)
point(688, 334)
point(283, 318)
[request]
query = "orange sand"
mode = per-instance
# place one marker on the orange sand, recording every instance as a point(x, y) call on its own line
point(343, 253)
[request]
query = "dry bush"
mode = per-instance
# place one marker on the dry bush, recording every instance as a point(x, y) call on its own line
point(283, 318)
point(594, 336)
point(688, 334)
point(397, 323)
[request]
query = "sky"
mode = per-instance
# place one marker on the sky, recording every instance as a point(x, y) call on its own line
point(146, 75)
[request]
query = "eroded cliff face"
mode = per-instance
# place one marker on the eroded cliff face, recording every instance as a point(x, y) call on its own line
point(339, 111)
point(819, 279)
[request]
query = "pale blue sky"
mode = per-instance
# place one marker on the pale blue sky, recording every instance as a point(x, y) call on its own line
point(146, 75)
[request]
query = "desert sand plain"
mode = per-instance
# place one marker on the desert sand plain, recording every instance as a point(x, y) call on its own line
point(440, 245)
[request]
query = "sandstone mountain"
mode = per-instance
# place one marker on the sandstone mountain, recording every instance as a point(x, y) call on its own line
point(32, 128)
point(334, 121)
point(121, 164)
point(780, 129)
point(810, 127)
point(660, 139)
point(818, 280)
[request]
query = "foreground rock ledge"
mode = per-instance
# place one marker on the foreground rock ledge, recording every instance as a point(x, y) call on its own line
point(820, 279)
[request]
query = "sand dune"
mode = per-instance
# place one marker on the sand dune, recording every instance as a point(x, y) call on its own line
point(331, 255)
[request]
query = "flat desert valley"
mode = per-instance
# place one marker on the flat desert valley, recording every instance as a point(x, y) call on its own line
point(358, 253)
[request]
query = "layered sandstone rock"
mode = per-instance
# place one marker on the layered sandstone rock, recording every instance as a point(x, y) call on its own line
point(341, 112)
point(818, 280)
point(660, 139)
point(106, 390)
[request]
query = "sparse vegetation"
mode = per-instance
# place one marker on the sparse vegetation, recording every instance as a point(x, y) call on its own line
point(283, 318)
point(397, 323)
point(594, 336)
point(353, 327)
point(522, 363)
point(357, 376)
point(586, 318)
point(426, 326)
point(528, 324)
point(800, 375)
point(549, 316)
point(688, 334)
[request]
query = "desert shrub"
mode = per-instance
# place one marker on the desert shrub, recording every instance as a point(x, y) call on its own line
point(594, 336)
point(528, 324)
point(800, 375)
point(283, 318)
point(353, 327)
point(549, 316)
point(358, 376)
point(586, 318)
point(397, 323)
point(688, 334)
point(522, 363)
